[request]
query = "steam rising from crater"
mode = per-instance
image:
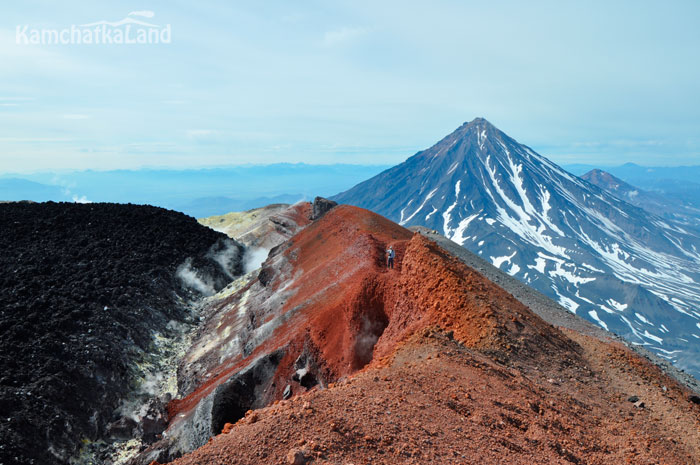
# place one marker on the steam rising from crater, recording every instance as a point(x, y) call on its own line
point(192, 279)
point(254, 258)
point(227, 256)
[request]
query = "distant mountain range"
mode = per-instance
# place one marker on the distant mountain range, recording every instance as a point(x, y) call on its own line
point(653, 202)
point(629, 271)
point(679, 183)
point(22, 189)
point(196, 192)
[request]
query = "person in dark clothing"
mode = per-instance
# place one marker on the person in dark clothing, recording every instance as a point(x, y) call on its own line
point(390, 257)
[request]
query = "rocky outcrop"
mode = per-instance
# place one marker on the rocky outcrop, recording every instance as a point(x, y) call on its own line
point(90, 295)
point(321, 206)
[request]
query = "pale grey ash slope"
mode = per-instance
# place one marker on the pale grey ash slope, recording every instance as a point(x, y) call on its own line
point(653, 202)
point(629, 271)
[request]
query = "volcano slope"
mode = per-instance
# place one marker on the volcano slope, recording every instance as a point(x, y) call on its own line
point(426, 363)
point(263, 227)
point(89, 296)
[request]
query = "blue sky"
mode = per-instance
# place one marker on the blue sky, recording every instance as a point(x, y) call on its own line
point(350, 82)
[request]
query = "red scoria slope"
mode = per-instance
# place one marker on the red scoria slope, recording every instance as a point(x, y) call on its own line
point(426, 363)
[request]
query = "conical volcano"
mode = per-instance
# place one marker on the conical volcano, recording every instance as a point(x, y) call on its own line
point(629, 271)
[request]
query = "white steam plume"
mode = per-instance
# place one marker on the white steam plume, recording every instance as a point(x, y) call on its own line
point(226, 258)
point(254, 258)
point(193, 280)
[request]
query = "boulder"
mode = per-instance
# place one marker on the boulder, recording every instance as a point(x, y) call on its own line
point(321, 206)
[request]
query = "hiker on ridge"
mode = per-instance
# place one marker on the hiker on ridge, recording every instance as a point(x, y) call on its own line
point(390, 257)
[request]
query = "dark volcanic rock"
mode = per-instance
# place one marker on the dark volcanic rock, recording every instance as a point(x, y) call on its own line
point(321, 207)
point(83, 290)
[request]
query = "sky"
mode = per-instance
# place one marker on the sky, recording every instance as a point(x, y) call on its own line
point(365, 82)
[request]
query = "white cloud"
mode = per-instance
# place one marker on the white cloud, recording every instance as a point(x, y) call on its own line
point(35, 139)
point(342, 35)
point(144, 13)
point(81, 199)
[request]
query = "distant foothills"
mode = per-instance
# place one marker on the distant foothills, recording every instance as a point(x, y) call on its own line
point(212, 191)
point(196, 192)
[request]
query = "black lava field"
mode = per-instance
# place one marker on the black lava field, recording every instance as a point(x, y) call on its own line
point(83, 288)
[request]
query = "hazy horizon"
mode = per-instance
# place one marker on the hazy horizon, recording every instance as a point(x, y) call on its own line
point(45, 171)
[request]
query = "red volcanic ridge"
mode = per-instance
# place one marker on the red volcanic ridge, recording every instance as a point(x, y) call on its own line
point(427, 363)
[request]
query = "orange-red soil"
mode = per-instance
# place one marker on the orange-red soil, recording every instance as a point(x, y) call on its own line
point(494, 384)
point(436, 401)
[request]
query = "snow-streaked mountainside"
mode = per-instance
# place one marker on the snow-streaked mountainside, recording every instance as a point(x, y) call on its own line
point(617, 265)
point(658, 204)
